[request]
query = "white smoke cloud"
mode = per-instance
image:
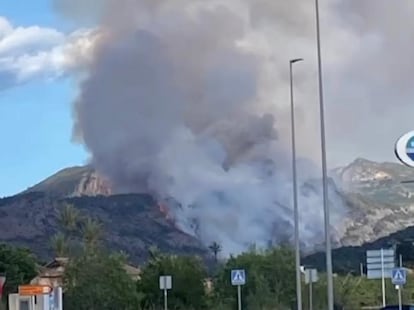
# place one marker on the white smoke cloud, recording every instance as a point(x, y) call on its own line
point(181, 101)
point(189, 99)
point(27, 53)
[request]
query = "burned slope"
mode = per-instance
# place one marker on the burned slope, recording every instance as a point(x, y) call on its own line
point(131, 223)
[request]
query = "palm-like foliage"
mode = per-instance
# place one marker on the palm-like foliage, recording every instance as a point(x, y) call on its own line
point(155, 255)
point(346, 288)
point(60, 245)
point(69, 218)
point(215, 249)
point(91, 233)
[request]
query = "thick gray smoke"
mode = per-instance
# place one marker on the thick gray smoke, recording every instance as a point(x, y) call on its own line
point(189, 99)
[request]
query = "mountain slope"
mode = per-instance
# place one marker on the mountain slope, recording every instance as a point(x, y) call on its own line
point(73, 182)
point(382, 214)
point(350, 258)
point(380, 182)
point(377, 203)
point(131, 223)
point(381, 203)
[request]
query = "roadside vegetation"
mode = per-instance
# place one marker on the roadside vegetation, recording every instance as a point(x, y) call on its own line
point(95, 278)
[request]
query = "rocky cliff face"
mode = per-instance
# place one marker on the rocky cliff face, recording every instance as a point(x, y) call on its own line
point(74, 182)
point(92, 184)
point(380, 204)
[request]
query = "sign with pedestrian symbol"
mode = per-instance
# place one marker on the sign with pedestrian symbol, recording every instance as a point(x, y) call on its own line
point(399, 276)
point(238, 277)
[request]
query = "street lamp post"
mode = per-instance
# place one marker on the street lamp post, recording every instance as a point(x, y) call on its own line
point(328, 249)
point(295, 191)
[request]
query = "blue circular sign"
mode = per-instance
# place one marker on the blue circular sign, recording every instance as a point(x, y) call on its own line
point(410, 148)
point(404, 149)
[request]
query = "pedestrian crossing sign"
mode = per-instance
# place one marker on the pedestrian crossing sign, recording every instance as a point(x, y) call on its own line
point(399, 276)
point(238, 277)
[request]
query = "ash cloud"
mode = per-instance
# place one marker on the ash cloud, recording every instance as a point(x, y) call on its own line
point(189, 100)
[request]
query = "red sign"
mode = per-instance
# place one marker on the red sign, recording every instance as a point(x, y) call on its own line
point(33, 290)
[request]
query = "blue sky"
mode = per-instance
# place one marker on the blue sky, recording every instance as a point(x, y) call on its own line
point(35, 98)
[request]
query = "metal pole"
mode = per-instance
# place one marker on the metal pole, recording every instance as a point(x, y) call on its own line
point(165, 300)
point(383, 278)
point(401, 261)
point(32, 302)
point(295, 192)
point(328, 249)
point(310, 291)
point(239, 297)
point(399, 298)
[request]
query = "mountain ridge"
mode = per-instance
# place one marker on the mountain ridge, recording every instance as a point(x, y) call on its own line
point(74, 182)
point(378, 205)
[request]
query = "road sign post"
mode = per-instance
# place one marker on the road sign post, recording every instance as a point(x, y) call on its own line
point(379, 266)
point(399, 278)
point(51, 301)
point(238, 278)
point(398, 288)
point(311, 276)
point(165, 285)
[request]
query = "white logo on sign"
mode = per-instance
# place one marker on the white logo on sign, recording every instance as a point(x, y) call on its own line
point(238, 277)
point(398, 276)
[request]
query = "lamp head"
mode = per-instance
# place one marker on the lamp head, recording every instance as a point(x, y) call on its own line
point(292, 61)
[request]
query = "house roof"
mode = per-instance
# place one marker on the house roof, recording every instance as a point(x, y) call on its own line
point(56, 268)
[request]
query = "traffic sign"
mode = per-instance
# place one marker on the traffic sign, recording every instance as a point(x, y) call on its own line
point(379, 266)
point(311, 276)
point(165, 282)
point(404, 149)
point(33, 290)
point(238, 277)
point(380, 263)
point(399, 276)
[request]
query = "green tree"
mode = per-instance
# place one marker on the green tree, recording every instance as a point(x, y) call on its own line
point(99, 282)
point(69, 218)
point(350, 292)
point(188, 275)
point(18, 264)
point(60, 245)
point(154, 253)
point(91, 233)
point(345, 292)
point(270, 279)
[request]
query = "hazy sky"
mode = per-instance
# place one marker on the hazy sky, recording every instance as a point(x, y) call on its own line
point(368, 103)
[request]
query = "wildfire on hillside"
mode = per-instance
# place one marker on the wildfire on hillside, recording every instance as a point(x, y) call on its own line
point(166, 212)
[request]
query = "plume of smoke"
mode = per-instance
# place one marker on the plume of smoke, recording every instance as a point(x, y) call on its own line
point(183, 98)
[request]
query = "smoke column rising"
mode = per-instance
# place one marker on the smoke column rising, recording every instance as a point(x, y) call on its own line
point(189, 99)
